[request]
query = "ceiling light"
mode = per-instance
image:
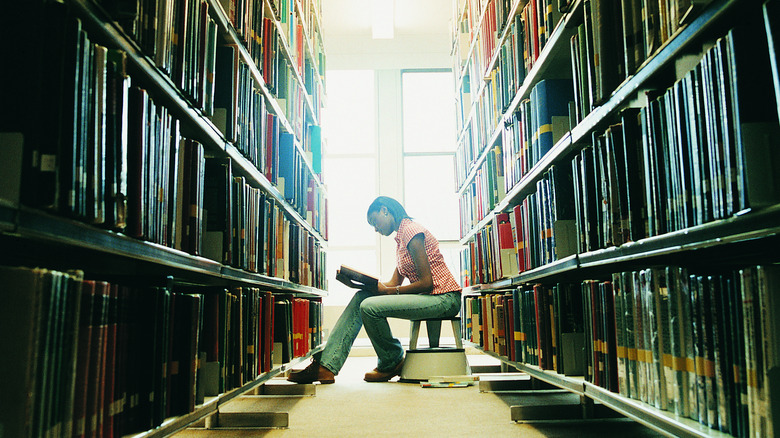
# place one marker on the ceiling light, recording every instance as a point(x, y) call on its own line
point(382, 27)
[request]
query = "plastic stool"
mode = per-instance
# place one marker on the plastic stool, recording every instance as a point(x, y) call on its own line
point(424, 363)
point(434, 331)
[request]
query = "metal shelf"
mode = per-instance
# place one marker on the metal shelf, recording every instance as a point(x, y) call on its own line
point(663, 421)
point(44, 227)
point(277, 284)
point(745, 226)
point(574, 384)
point(212, 404)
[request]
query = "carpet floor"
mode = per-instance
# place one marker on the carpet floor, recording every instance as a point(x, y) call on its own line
point(354, 408)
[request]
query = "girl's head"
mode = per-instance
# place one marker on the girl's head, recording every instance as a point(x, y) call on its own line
point(385, 215)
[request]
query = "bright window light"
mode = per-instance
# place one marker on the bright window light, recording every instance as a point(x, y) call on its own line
point(382, 27)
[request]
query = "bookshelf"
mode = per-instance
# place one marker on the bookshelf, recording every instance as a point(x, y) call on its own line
point(163, 190)
point(586, 230)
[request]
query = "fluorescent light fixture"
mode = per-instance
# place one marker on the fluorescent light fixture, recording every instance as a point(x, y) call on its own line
point(382, 26)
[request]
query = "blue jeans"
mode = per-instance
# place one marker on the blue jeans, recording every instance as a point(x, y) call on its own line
point(371, 310)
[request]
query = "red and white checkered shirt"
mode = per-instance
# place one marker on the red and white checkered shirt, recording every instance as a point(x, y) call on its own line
point(443, 280)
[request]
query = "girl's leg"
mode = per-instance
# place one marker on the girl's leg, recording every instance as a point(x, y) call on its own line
point(343, 335)
point(375, 310)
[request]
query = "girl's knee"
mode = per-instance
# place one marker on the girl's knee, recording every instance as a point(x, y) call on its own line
point(366, 308)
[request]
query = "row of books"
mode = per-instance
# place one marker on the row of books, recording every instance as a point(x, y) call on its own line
point(527, 33)
point(98, 358)
point(275, 42)
point(538, 325)
point(539, 122)
point(698, 345)
point(117, 159)
point(247, 229)
point(179, 37)
point(199, 63)
point(510, 69)
point(647, 27)
point(311, 11)
point(125, 165)
point(596, 56)
point(113, 157)
point(699, 151)
point(600, 62)
point(701, 346)
point(490, 18)
point(538, 231)
point(535, 127)
point(484, 192)
point(487, 22)
point(540, 17)
point(244, 116)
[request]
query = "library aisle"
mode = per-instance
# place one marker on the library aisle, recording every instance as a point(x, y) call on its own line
point(352, 407)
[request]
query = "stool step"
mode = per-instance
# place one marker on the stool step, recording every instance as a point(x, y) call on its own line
point(422, 364)
point(437, 350)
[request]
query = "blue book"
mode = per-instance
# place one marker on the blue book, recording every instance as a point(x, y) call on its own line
point(550, 98)
point(287, 166)
point(315, 143)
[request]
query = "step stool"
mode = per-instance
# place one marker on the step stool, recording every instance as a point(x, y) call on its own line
point(421, 364)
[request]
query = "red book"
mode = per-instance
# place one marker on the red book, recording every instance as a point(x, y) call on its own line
point(541, 329)
point(299, 48)
point(506, 246)
point(509, 312)
point(520, 247)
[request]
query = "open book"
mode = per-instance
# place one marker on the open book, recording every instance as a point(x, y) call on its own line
point(356, 279)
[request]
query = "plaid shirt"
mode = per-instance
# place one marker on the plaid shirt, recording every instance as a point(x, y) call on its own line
point(443, 280)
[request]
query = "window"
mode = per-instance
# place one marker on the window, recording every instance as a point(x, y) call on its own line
point(429, 151)
point(429, 188)
point(429, 111)
point(349, 118)
point(349, 167)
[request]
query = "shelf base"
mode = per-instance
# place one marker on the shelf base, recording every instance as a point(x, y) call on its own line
point(585, 410)
point(284, 390)
point(248, 420)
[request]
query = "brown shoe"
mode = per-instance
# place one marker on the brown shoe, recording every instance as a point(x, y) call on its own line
point(379, 376)
point(312, 373)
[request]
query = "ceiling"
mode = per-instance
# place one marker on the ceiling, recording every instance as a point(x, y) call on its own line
point(422, 35)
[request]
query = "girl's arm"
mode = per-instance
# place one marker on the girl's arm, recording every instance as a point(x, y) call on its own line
point(424, 285)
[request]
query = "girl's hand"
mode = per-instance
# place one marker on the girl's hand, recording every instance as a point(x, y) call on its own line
point(381, 289)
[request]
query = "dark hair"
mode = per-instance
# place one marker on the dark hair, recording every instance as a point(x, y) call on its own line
point(394, 207)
